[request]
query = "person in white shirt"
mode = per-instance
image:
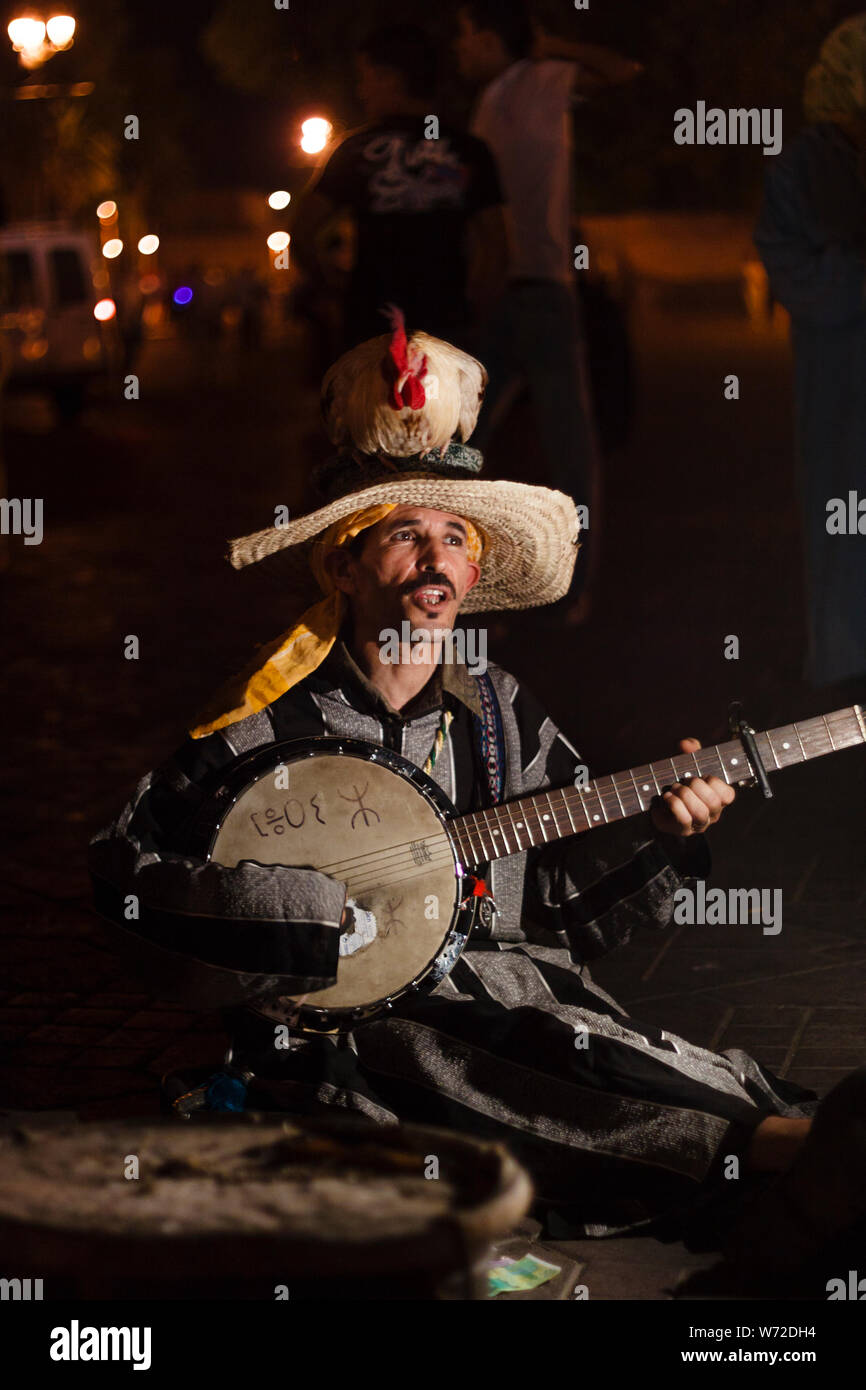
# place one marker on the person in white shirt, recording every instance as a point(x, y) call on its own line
point(529, 79)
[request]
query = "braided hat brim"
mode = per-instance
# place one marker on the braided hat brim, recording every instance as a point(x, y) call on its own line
point(532, 535)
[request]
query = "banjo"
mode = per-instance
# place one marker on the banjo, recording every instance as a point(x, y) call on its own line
point(372, 820)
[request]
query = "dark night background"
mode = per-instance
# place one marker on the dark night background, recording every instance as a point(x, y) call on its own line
point(215, 83)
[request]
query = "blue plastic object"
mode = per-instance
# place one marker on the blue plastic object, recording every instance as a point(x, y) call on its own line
point(226, 1093)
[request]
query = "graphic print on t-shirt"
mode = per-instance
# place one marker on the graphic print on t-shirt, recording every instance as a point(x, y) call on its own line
point(406, 175)
point(413, 200)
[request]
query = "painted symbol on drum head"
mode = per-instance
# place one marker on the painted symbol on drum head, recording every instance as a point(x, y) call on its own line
point(391, 920)
point(362, 809)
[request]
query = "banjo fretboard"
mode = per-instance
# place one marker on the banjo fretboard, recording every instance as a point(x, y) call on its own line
point(551, 815)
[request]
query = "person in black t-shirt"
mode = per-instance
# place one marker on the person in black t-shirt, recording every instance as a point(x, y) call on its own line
point(425, 197)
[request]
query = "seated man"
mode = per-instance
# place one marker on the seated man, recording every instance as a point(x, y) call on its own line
point(617, 1120)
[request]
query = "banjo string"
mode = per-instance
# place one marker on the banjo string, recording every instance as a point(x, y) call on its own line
point(380, 856)
point(369, 872)
point(366, 885)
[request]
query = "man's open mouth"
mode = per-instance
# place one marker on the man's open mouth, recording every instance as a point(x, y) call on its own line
point(432, 596)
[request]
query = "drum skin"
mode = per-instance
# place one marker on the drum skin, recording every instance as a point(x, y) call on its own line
point(372, 820)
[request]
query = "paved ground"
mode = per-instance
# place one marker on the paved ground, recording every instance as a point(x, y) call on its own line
point(700, 541)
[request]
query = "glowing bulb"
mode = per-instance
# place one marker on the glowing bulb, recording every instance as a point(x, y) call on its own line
point(315, 134)
point(278, 241)
point(112, 248)
point(34, 348)
point(106, 210)
point(279, 200)
point(26, 34)
point(148, 244)
point(61, 27)
point(104, 310)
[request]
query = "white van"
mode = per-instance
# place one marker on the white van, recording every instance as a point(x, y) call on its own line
point(52, 278)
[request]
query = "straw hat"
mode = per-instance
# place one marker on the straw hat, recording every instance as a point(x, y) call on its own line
point(400, 409)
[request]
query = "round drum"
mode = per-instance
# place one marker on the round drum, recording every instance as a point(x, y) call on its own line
point(236, 1206)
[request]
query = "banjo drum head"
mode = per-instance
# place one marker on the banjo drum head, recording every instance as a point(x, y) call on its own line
point(369, 819)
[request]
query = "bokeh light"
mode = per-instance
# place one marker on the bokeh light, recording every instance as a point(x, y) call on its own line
point(182, 295)
point(26, 34)
point(112, 248)
point(315, 133)
point(104, 310)
point(278, 241)
point(61, 27)
point(148, 244)
point(34, 348)
point(279, 200)
point(106, 210)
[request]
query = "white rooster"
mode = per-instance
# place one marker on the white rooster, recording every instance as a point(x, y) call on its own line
point(400, 397)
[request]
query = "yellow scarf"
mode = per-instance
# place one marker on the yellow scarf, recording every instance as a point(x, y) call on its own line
point(286, 661)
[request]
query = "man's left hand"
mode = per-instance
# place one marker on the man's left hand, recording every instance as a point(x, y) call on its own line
point(688, 808)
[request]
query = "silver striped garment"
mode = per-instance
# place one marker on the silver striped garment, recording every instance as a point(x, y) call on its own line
point(617, 1120)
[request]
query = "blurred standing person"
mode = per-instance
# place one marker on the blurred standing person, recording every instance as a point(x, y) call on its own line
point(212, 293)
point(529, 79)
point(130, 305)
point(425, 196)
point(251, 296)
point(811, 236)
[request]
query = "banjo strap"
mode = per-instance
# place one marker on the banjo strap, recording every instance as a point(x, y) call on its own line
point(489, 739)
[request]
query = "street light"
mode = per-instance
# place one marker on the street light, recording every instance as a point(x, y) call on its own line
point(35, 41)
point(27, 35)
point(315, 134)
point(61, 28)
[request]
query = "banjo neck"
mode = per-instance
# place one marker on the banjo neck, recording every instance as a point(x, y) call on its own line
point(515, 826)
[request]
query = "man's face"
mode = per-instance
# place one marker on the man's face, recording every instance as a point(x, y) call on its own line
point(476, 50)
point(413, 566)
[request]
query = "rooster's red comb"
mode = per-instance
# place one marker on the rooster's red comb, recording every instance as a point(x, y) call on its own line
point(406, 385)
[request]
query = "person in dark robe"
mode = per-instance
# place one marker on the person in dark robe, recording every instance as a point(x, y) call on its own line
point(619, 1122)
point(811, 235)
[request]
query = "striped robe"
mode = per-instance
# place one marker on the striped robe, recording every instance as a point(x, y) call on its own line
point(617, 1120)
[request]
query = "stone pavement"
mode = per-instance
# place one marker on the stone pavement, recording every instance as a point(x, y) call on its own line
point(139, 498)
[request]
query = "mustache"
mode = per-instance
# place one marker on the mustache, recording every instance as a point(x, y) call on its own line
point(430, 581)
